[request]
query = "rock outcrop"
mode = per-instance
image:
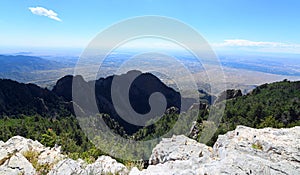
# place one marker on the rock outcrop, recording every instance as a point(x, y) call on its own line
point(103, 165)
point(229, 94)
point(27, 157)
point(242, 151)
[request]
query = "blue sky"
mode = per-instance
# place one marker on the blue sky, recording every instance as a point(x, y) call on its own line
point(228, 25)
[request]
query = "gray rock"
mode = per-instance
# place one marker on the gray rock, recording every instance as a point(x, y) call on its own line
point(68, 167)
point(106, 165)
point(179, 148)
point(177, 155)
point(242, 151)
point(1, 142)
point(9, 171)
point(195, 130)
point(3, 155)
point(21, 144)
point(103, 165)
point(135, 171)
point(259, 151)
point(50, 156)
point(13, 162)
point(20, 163)
point(178, 167)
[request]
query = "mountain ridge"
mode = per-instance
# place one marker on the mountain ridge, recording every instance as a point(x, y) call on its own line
point(22, 63)
point(143, 86)
point(269, 105)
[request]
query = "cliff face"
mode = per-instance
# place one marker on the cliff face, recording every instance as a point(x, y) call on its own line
point(242, 151)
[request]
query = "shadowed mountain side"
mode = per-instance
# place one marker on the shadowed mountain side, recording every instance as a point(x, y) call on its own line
point(29, 99)
point(17, 99)
point(140, 91)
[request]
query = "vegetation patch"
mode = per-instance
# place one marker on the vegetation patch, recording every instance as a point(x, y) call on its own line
point(32, 157)
point(257, 146)
point(130, 164)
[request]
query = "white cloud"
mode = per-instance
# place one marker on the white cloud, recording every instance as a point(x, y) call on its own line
point(264, 46)
point(248, 43)
point(44, 12)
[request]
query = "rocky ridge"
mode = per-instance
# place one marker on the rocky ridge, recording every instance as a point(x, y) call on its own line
point(242, 151)
point(21, 156)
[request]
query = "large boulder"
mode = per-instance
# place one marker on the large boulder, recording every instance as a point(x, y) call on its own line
point(103, 165)
point(179, 148)
point(50, 156)
point(106, 165)
point(68, 167)
point(178, 155)
point(21, 144)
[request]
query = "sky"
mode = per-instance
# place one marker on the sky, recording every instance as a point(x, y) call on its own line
point(263, 26)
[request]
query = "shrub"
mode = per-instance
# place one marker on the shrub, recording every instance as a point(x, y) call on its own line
point(32, 157)
point(257, 146)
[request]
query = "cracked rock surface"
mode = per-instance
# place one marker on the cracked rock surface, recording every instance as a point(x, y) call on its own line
point(242, 151)
point(14, 162)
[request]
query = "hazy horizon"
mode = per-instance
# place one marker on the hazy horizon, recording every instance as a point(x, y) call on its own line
point(47, 27)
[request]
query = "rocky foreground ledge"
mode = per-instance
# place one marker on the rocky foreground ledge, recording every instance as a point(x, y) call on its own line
point(242, 151)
